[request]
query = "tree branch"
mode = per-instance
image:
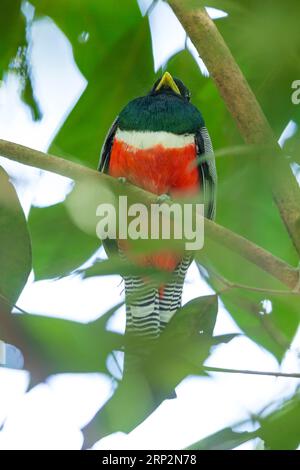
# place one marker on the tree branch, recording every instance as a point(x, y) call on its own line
point(229, 285)
point(35, 158)
point(254, 253)
point(276, 267)
point(268, 325)
point(251, 372)
point(244, 108)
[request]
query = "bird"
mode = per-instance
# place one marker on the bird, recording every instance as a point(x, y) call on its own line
point(159, 142)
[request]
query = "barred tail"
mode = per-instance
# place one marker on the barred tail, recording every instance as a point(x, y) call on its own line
point(148, 313)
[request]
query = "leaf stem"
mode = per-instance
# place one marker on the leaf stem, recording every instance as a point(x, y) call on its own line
point(251, 372)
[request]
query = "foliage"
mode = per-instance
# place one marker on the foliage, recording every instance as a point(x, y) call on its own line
point(15, 254)
point(111, 46)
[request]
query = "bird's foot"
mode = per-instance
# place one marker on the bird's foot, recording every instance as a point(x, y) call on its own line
point(163, 198)
point(122, 179)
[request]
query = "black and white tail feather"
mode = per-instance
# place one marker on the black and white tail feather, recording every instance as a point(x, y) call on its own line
point(149, 313)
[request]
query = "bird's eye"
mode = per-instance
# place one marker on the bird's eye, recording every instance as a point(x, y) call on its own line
point(187, 95)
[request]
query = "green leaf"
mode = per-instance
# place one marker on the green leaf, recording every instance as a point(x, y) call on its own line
point(115, 265)
point(55, 345)
point(280, 430)
point(15, 247)
point(118, 78)
point(92, 27)
point(28, 94)
point(270, 430)
point(269, 61)
point(292, 147)
point(245, 205)
point(14, 51)
point(269, 319)
point(115, 57)
point(184, 345)
point(59, 246)
point(11, 31)
point(244, 202)
point(205, 96)
point(226, 439)
point(180, 351)
point(198, 315)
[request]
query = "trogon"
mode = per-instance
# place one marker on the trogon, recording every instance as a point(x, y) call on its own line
point(159, 142)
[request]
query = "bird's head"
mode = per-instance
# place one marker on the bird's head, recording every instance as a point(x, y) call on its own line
point(170, 86)
point(166, 107)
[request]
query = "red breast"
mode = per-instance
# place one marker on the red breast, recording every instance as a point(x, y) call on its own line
point(159, 170)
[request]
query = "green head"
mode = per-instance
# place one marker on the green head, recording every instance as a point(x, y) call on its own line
point(167, 108)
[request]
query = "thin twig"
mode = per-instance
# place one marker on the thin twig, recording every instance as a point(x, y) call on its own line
point(263, 290)
point(117, 362)
point(251, 372)
point(228, 285)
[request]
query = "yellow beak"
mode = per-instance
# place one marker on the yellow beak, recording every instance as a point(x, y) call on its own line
point(168, 81)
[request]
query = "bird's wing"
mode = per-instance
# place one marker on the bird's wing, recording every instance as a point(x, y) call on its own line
point(207, 169)
point(110, 246)
point(106, 148)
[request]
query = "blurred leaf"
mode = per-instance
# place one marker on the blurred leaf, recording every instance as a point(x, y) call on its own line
point(281, 429)
point(102, 34)
point(14, 51)
point(270, 320)
point(141, 393)
point(184, 344)
point(28, 95)
point(197, 316)
point(93, 27)
point(15, 252)
point(66, 346)
point(245, 205)
point(59, 246)
point(247, 309)
point(292, 147)
point(115, 265)
point(226, 439)
point(286, 418)
point(118, 78)
point(269, 61)
point(244, 202)
point(11, 31)
point(205, 96)
point(179, 352)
